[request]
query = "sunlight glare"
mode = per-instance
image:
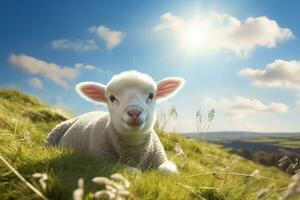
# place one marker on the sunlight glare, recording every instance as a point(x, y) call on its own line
point(195, 36)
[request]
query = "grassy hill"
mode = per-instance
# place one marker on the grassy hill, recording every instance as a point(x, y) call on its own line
point(25, 122)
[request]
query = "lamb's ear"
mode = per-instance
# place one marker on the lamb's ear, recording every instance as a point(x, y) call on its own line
point(92, 91)
point(168, 87)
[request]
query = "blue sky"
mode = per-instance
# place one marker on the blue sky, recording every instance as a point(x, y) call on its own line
point(240, 57)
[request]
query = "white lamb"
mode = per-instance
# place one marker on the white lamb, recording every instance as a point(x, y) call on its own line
point(126, 132)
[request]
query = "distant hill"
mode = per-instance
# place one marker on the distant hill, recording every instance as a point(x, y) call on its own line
point(263, 148)
point(238, 135)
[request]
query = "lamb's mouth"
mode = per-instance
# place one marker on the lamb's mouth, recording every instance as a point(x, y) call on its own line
point(135, 123)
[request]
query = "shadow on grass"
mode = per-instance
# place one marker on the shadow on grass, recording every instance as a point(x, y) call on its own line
point(65, 170)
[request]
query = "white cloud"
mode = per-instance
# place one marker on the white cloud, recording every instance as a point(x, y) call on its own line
point(76, 45)
point(278, 74)
point(59, 75)
point(85, 66)
point(90, 67)
point(36, 83)
point(169, 21)
point(248, 114)
point(112, 38)
point(81, 66)
point(241, 107)
point(221, 31)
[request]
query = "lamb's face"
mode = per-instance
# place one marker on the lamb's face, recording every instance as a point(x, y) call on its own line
point(131, 98)
point(131, 107)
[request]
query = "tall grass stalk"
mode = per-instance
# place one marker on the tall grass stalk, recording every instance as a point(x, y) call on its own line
point(164, 117)
point(203, 125)
point(22, 178)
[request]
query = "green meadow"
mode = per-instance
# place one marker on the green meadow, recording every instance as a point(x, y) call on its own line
point(206, 171)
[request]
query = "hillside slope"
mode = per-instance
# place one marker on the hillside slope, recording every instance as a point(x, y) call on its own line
point(25, 122)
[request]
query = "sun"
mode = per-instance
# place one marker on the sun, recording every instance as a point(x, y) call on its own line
point(195, 36)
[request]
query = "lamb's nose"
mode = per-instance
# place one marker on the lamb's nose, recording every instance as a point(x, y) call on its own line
point(134, 113)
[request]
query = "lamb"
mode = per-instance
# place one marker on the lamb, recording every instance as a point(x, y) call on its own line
point(125, 133)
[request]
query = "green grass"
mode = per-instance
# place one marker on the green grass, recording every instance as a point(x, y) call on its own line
point(25, 122)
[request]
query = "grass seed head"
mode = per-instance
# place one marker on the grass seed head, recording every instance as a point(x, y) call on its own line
point(79, 192)
point(293, 188)
point(43, 178)
point(262, 193)
point(102, 181)
point(255, 173)
point(284, 159)
point(104, 194)
point(119, 177)
point(116, 188)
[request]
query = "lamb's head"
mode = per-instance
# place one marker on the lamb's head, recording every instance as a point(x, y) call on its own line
point(131, 97)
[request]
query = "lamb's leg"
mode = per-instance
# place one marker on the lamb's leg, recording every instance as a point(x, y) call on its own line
point(159, 156)
point(56, 134)
point(168, 167)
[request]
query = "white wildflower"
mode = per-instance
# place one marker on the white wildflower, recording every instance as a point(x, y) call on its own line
point(178, 150)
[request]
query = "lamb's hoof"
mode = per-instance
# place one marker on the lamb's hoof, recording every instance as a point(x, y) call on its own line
point(168, 168)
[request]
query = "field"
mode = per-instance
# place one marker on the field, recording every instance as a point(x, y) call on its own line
point(267, 142)
point(282, 140)
point(206, 171)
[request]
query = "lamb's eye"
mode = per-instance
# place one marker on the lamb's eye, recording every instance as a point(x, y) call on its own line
point(150, 96)
point(112, 98)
